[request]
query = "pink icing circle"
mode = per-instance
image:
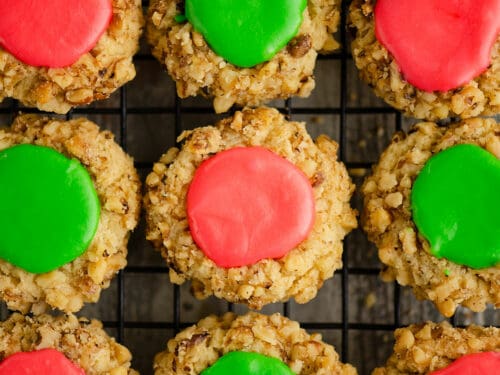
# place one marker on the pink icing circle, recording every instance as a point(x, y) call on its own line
point(53, 33)
point(438, 45)
point(40, 362)
point(248, 204)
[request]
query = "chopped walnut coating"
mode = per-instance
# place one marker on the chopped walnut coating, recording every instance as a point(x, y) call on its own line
point(95, 76)
point(82, 341)
point(387, 218)
point(197, 70)
point(298, 274)
point(198, 347)
point(300, 45)
point(424, 348)
point(118, 188)
point(377, 67)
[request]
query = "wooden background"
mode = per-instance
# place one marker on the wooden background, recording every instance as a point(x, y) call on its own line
point(356, 316)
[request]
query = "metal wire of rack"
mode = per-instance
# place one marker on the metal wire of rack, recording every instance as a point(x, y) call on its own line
point(355, 311)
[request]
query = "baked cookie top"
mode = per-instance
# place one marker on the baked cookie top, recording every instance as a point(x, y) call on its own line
point(198, 70)
point(424, 348)
point(389, 218)
point(94, 76)
point(302, 270)
point(117, 186)
point(378, 67)
point(82, 341)
point(198, 347)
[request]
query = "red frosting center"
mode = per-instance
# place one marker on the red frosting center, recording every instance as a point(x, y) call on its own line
point(40, 362)
point(248, 204)
point(439, 45)
point(487, 363)
point(52, 33)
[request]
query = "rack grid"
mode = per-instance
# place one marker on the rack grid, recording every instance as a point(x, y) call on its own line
point(356, 311)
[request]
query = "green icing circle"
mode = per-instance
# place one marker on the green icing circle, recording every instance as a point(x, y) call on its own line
point(49, 209)
point(245, 363)
point(456, 205)
point(246, 32)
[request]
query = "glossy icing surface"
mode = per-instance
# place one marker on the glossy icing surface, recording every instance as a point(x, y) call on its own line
point(52, 33)
point(456, 205)
point(438, 45)
point(39, 362)
point(246, 32)
point(248, 203)
point(49, 209)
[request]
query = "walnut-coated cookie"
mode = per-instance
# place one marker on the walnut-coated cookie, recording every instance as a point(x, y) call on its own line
point(82, 341)
point(299, 273)
point(198, 70)
point(423, 348)
point(377, 67)
point(118, 188)
point(95, 76)
point(387, 218)
point(199, 346)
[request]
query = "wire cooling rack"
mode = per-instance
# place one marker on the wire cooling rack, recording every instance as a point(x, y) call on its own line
point(355, 311)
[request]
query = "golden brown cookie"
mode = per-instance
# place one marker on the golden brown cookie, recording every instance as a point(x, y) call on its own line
point(387, 218)
point(298, 274)
point(377, 67)
point(198, 70)
point(423, 348)
point(199, 346)
point(95, 76)
point(118, 188)
point(82, 341)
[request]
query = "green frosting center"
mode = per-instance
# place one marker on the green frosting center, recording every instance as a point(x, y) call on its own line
point(456, 205)
point(246, 32)
point(244, 363)
point(49, 209)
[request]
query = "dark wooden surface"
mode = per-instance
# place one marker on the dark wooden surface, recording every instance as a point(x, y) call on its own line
point(369, 303)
